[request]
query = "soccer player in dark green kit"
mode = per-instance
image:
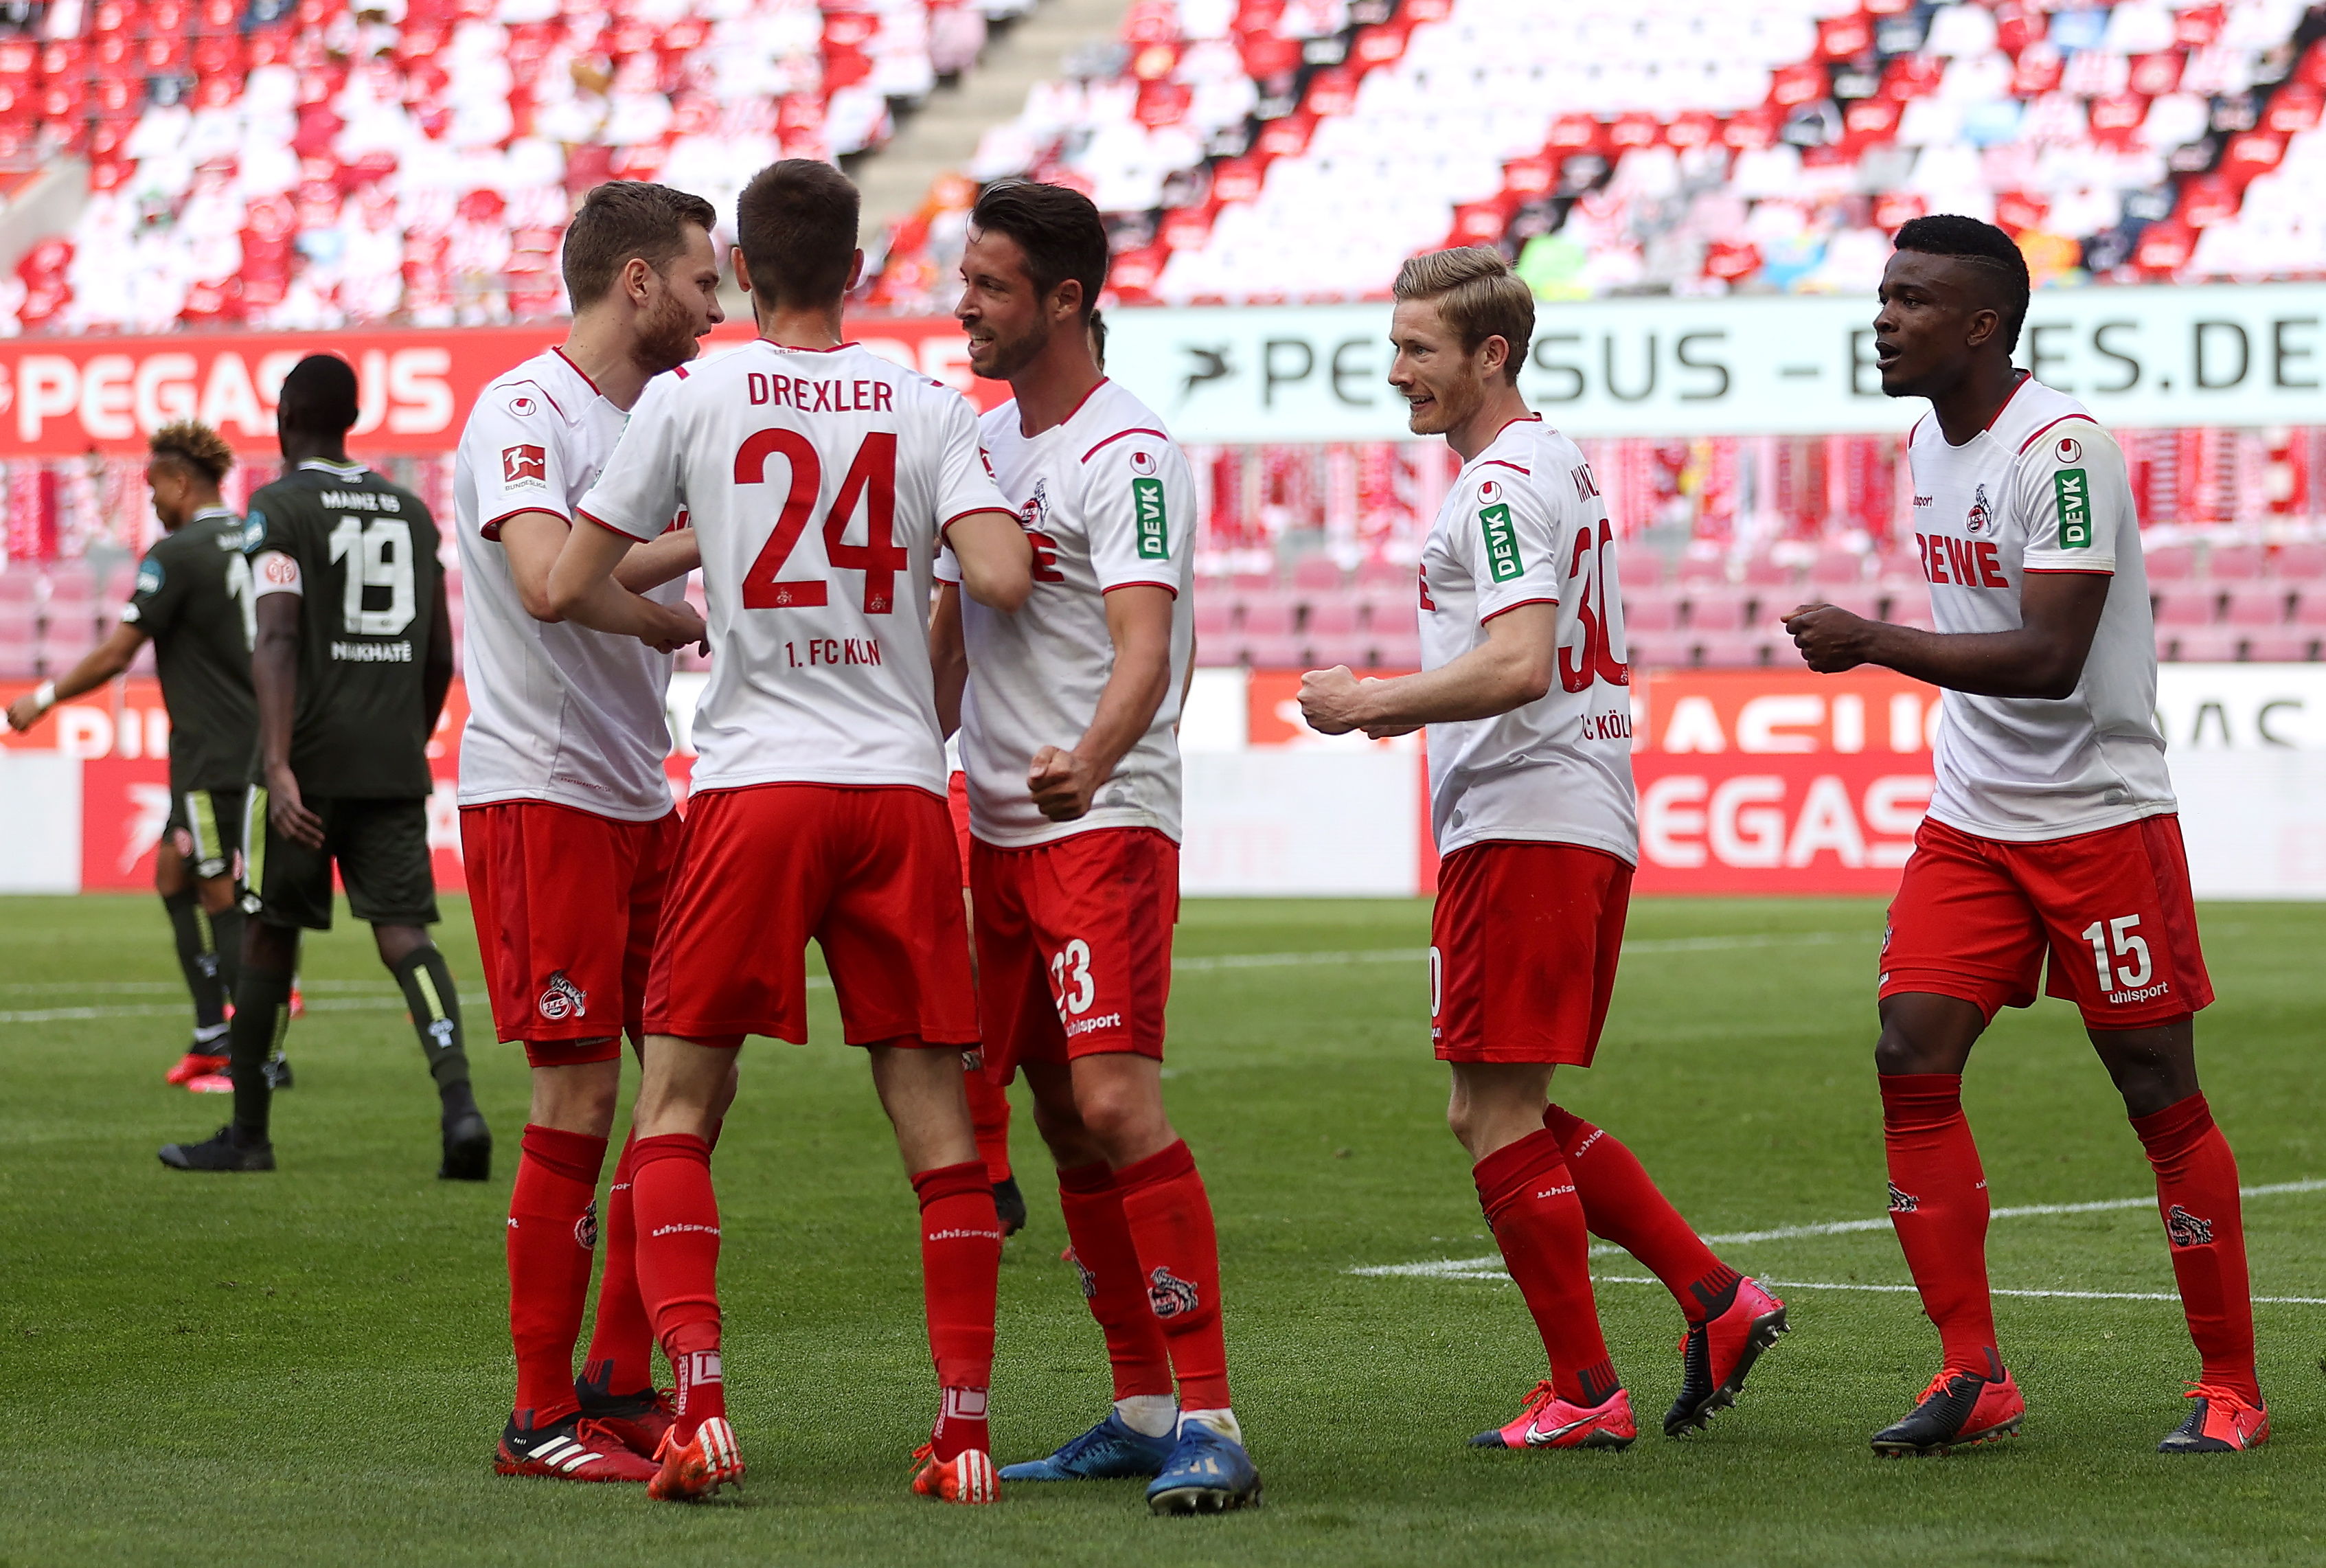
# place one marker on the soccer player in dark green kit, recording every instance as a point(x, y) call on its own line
point(192, 599)
point(352, 658)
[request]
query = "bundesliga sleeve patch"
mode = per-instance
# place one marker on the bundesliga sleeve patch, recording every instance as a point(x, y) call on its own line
point(1153, 522)
point(524, 468)
point(2073, 490)
point(149, 576)
point(1502, 538)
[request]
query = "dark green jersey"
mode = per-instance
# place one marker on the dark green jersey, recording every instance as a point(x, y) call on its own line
point(361, 554)
point(192, 598)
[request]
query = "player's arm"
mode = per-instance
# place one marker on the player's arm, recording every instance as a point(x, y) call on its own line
point(274, 683)
point(948, 656)
point(1510, 668)
point(1139, 625)
point(100, 664)
point(996, 558)
point(582, 589)
point(659, 561)
point(2059, 611)
point(436, 661)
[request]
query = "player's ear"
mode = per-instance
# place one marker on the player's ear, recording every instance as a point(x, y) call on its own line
point(1493, 354)
point(1985, 323)
point(636, 280)
point(742, 272)
point(1067, 299)
point(855, 273)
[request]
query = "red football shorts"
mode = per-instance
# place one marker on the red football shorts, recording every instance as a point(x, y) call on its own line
point(1523, 951)
point(871, 873)
point(1073, 946)
point(1975, 918)
point(566, 904)
point(957, 800)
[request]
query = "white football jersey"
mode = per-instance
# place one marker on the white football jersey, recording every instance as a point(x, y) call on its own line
point(556, 712)
point(1524, 524)
point(1109, 501)
point(2042, 488)
point(819, 482)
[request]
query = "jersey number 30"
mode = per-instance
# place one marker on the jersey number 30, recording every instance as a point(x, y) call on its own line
point(871, 476)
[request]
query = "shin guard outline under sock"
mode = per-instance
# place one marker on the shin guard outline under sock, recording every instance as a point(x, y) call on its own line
point(1939, 1208)
point(1111, 1283)
point(676, 1217)
point(2204, 1225)
point(1622, 1204)
point(1170, 1217)
point(1529, 1202)
point(553, 1231)
point(621, 1343)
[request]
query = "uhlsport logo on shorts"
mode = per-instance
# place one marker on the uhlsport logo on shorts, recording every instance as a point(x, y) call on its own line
point(1502, 539)
point(1170, 1295)
point(563, 999)
point(2186, 1229)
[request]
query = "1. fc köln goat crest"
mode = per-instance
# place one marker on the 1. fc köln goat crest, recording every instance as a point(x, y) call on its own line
point(2186, 1229)
point(1168, 1294)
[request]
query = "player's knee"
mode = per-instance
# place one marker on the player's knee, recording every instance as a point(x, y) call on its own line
point(1117, 1113)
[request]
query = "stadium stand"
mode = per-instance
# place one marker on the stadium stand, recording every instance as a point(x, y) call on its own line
point(275, 164)
point(1272, 150)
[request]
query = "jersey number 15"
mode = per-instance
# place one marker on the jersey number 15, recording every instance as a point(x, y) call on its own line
point(871, 476)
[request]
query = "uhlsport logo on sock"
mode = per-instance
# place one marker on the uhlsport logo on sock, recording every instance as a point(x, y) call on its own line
point(2186, 1229)
point(1902, 1201)
point(1170, 1295)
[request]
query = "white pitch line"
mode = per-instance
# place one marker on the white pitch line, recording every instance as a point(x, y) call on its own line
point(1908, 1290)
point(180, 1009)
point(1490, 1265)
point(1213, 962)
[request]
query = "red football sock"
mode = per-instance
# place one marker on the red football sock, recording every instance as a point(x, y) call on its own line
point(1938, 1205)
point(2197, 1194)
point(676, 1217)
point(550, 1236)
point(1170, 1217)
point(1110, 1281)
point(622, 1346)
point(960, 1266)
point(1530, 1204)
point(1621, 1204)
point(988, 1118)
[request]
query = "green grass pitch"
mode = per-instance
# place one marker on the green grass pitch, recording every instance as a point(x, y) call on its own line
point(311, 1367)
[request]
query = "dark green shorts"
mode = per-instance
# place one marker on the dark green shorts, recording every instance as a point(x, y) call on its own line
point(381, 850)
point(206, 828)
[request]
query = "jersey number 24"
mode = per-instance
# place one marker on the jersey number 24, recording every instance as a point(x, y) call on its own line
point(871, 476)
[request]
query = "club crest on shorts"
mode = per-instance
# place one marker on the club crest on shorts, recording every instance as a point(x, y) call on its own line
point(1902, 1201)
point(561, 999)
point(1170, 1295)
point(2186, 1229)
point(1981, 516)
point(585, 1230)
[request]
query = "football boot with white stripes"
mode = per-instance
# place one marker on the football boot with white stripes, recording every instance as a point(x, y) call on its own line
point(966, 1478)
point(576, 1449)
point(693, 1470)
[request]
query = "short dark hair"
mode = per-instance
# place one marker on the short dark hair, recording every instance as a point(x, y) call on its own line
point(797, 223)
point(1951, 234)
point(1056, 227)
point(622, 219)
point(320, 397)
point(191, 443)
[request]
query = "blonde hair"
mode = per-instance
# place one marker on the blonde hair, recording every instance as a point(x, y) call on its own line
point(1478, 296)
point(196, 445)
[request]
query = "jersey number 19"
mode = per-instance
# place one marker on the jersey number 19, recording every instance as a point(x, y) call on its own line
point(373, 554)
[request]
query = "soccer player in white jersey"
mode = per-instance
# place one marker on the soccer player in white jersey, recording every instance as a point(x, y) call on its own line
point(1527, 699)
point(820, 479)
point(1067, 739)
point(2051, 834)
point(566, 822)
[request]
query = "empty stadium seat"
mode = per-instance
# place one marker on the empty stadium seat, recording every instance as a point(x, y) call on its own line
point(2256, 606)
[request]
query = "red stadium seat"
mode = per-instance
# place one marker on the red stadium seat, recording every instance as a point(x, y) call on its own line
point(1714, 612)
point(2281, 646)
point(2256, 606)
point(2234, 563)
point(2172, 563)
point(2183, 607)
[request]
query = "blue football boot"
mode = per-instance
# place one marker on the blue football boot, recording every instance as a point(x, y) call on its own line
point(1110, 1450)
point(1207, 1473)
